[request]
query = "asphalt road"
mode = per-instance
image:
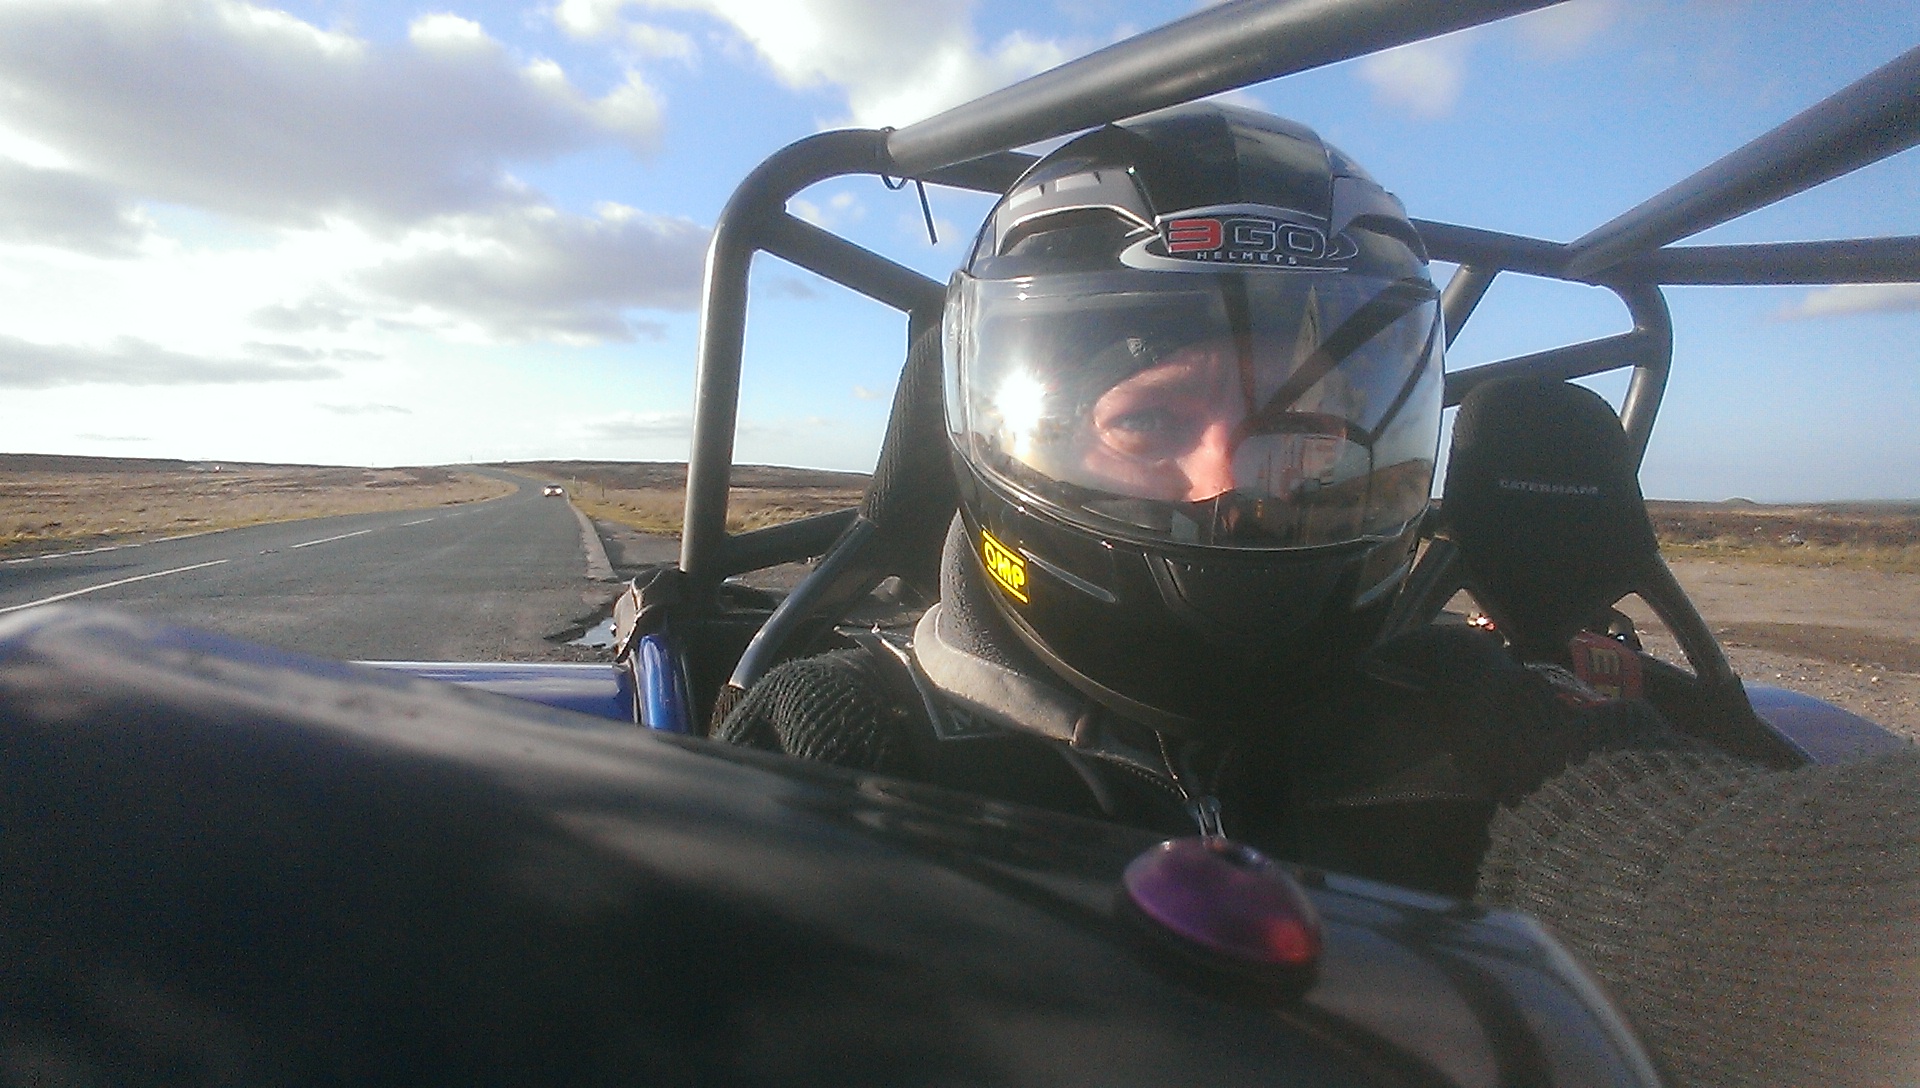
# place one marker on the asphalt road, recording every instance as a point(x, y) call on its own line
point(505, 579)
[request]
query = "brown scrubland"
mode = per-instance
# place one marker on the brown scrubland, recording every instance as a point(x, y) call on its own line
point(51, 502)
point(1883, 536)
point(1849, 536)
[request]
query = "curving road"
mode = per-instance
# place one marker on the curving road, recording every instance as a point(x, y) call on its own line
point(496, 580)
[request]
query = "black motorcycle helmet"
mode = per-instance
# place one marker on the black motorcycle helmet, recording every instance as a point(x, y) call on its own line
point(1193, 380)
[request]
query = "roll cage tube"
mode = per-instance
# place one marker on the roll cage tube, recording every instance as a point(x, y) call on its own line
point(1234, 45)
point(755, 220)
point(736, 237)
point(1648, 349)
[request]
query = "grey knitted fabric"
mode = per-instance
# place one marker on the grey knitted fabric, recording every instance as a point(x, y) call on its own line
point(834, 707)
point(1760, 928)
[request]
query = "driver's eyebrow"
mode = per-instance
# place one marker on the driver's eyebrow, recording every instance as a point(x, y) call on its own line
point(1171, 373)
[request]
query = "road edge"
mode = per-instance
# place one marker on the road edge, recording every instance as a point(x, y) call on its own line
point(599, 567)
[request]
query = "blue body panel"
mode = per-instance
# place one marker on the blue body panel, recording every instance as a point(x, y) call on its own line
point(662, 684)
point(602, 690)
point(657, 698)
point(1823, 732)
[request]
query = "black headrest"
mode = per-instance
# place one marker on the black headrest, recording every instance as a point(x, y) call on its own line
point(913, 493)
point(1544, 504)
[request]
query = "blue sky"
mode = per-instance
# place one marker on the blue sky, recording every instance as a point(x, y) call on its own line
point(379, 232)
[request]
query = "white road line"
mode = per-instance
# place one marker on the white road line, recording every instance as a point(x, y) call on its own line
point(330, 539)
point(110, 585)
point(422, 521)
point(84, 551)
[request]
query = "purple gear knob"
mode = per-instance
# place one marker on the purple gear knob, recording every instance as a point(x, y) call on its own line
point(1228, 900)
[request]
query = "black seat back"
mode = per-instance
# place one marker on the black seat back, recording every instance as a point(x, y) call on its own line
point(1544, 504)
point(913, 495)
point(902, 522)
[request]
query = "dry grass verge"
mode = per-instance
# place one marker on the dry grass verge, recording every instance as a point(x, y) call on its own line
point(651, 497)
point(42, 507)
point(1843, 536)
point(749, 508)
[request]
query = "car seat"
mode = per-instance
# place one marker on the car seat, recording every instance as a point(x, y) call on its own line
point(1548, 530)
point(901, 522)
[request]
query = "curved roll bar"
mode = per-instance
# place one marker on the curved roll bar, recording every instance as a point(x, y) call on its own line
point(1233, 45)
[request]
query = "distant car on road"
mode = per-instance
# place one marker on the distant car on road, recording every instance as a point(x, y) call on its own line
point(553, 489)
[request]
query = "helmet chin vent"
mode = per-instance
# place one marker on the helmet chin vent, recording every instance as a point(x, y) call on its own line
point(1237, 601)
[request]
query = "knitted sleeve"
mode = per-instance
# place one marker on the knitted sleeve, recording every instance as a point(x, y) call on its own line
point(834, 707)
point(1761, 928)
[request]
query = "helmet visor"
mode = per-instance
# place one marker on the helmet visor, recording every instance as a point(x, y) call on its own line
point(1265, 410)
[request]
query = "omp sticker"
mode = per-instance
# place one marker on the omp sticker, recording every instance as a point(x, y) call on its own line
point(1006, 568)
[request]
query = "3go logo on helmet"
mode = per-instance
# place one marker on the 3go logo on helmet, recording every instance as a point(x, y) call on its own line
point(1244, 236)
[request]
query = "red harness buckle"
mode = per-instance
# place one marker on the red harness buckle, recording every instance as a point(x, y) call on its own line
point(1607, 666)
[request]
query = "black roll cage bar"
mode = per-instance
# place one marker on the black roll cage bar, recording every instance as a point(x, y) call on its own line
point(1233, 45)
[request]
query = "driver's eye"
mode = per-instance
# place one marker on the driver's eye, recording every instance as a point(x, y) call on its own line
point(1143, 422)
point(1147, 433)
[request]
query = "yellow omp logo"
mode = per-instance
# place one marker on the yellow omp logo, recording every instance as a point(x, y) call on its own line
point(1006, 568)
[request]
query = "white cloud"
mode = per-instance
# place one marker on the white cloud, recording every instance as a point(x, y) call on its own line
point(786, 287)
point(896, 62)
point(861, 392)
point(228, 107)
point(449, 33)
point(127, 361)
point(602, 19)
point(631, 108)
point(307, 315)
point(807, 210)
point(839, 210)
point(299, 354)
point(1856, 298)
point(61, 208)
point(632, 426)
point(1427, 78)
point(29, 152)
point(534, 273)
point(1564, 29)
point(367, 409)
point(589, 18)
point(1423, 77)
point(341, 293)
point(654, 41)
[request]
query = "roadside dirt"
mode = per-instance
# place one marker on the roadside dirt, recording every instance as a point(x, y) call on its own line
point(1851, 637)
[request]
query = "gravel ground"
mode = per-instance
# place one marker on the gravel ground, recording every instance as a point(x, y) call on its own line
point(1850, 637)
